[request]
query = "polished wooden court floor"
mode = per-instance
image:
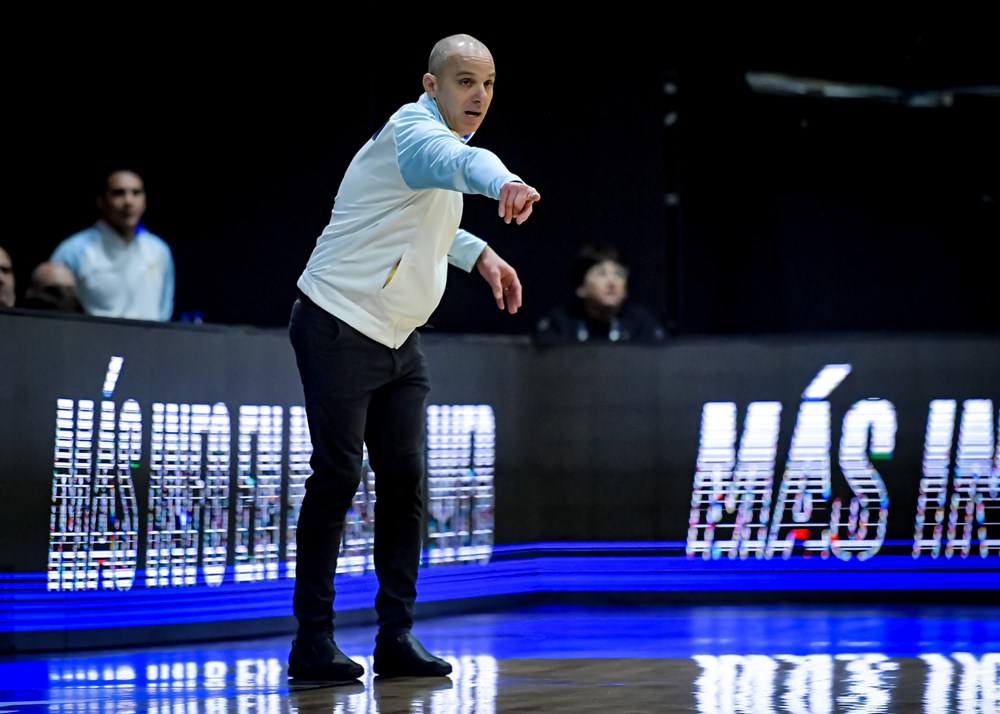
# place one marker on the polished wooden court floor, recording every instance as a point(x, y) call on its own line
point(715, 659)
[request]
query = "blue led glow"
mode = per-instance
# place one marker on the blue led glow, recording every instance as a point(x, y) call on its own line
point(523, 569)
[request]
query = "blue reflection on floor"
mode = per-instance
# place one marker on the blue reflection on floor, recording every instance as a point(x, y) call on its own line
point(558, 631)
point(106, 680)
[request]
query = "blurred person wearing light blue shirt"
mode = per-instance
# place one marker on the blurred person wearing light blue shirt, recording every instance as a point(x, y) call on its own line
point(121, 268)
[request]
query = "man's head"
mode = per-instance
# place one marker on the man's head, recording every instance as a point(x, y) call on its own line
point(52, 286)
point(460, 76)
point(122, 202)
point(7, 294)
point(600, 274)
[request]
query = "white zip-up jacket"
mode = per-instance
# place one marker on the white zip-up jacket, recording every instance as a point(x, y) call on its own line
point(381, 264)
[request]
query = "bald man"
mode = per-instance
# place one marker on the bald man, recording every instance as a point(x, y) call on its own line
point(52, 287)
point(376, 273)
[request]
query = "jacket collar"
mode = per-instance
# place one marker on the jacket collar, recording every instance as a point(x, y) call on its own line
point(429, 104)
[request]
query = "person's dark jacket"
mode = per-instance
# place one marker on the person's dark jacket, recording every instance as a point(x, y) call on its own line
point(634, 324)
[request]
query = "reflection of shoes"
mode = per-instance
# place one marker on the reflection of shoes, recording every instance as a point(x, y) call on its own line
point(386, 689)
point(401, 655)
point(321, 660)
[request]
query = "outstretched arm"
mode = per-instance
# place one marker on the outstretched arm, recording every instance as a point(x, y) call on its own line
point(502, 279)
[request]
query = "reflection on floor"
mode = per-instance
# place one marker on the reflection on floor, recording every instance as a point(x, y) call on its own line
point(718, 659)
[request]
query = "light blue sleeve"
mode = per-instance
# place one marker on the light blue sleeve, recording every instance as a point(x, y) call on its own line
point(431, 156)
point(70, 251)
point(465, 250)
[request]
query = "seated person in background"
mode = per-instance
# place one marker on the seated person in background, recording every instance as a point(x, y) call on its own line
point(52, 287)
point(7, 294)
point(600, 311)
point(121, 269)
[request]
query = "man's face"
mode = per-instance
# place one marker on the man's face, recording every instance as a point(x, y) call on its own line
point(6, 280)
point(463, 89)
point(124, 201)
point(605, 284)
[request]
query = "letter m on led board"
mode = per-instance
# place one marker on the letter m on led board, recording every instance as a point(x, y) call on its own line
point(731, 499)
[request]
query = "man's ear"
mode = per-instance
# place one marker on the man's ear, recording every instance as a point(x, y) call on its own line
point(430, 84)
point(581, 292)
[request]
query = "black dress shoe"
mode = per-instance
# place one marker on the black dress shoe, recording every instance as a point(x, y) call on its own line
point(321, 660)
point(400, 655)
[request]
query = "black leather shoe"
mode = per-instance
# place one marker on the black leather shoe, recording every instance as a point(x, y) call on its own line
point(401, 655)
point(321, 660)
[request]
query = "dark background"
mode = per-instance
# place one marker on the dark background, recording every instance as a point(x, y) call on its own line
point(794, 213)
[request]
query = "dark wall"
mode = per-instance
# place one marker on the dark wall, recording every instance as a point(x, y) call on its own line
point(593, 442)
point(794, 213)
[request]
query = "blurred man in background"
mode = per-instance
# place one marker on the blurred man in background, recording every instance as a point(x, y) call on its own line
point(52, 287)
point(121, 269)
